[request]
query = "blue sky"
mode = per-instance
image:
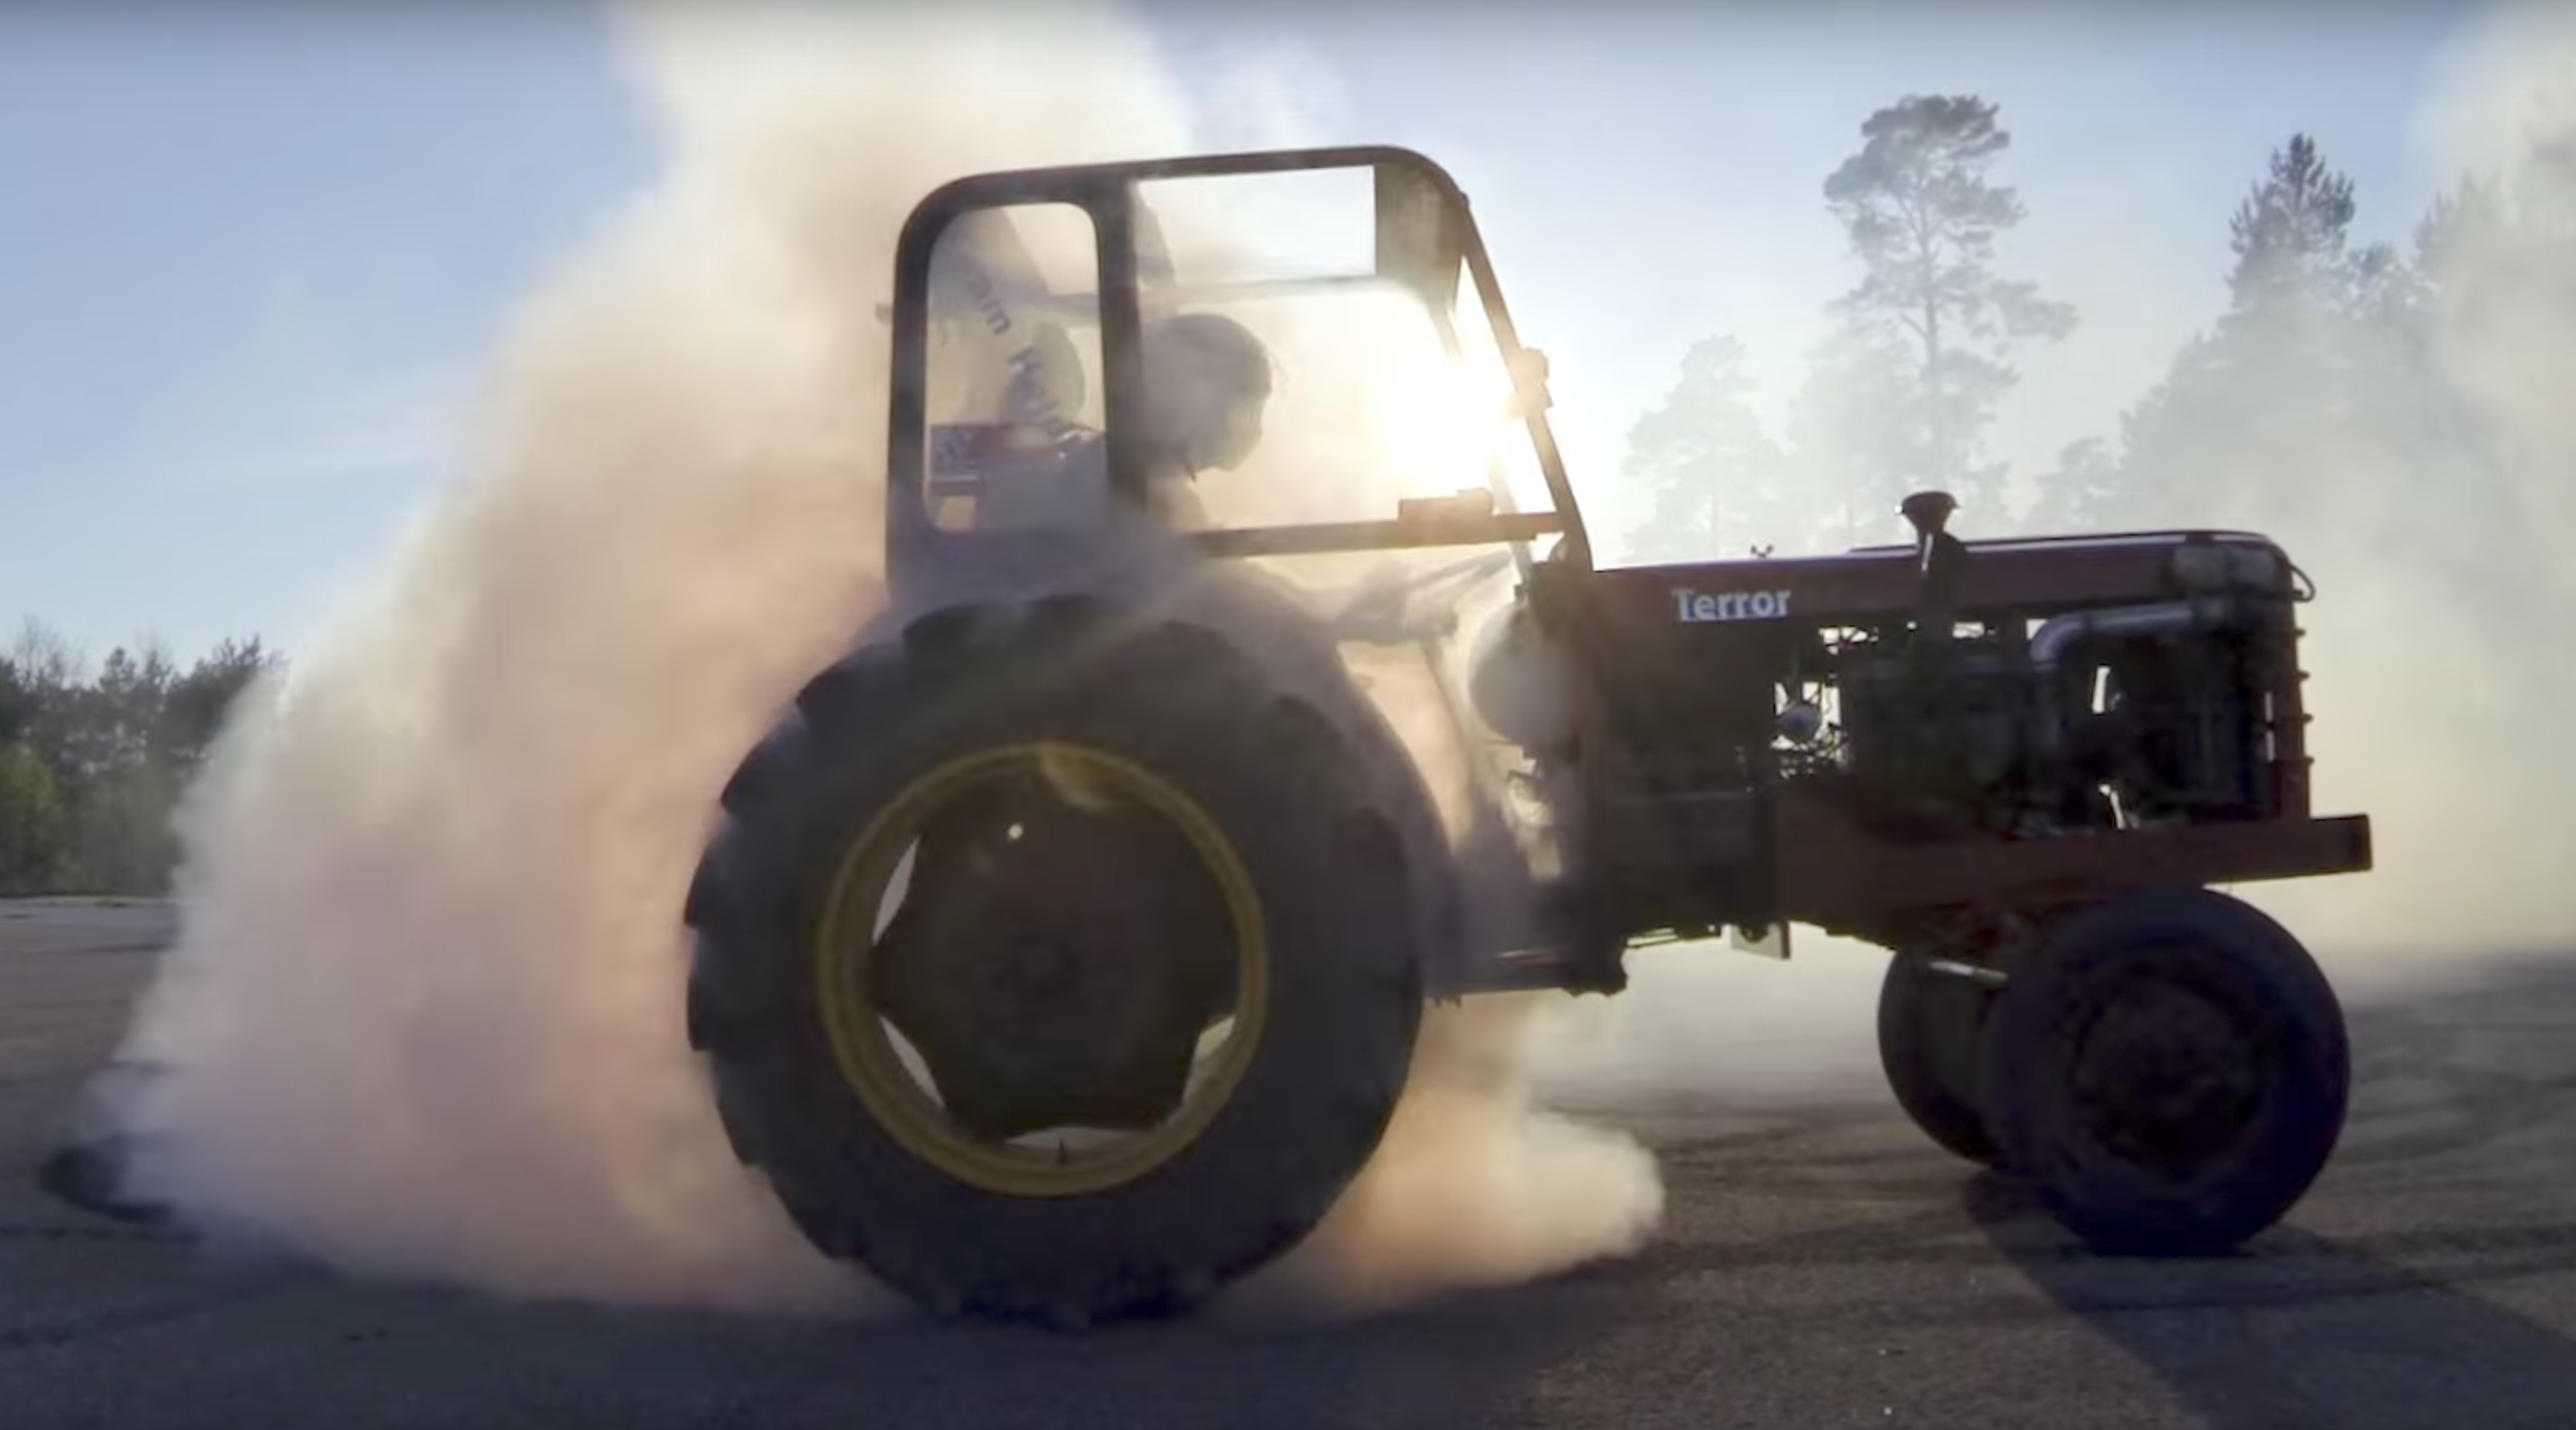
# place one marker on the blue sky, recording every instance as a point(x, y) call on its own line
point(252, 252)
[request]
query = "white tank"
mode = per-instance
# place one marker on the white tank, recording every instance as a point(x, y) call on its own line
point(1520, 682)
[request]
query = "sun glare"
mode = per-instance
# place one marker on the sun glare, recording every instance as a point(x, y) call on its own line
point(1438, 420)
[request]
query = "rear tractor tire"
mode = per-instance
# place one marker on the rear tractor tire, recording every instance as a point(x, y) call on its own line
point(1051, 851)
point(2169, 1071)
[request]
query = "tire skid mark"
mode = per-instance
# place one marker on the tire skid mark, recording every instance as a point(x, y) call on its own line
point(2275, 1282)
point(126, 1319)
point(2387, 1286)
point(52, 1231)
point(83, 950)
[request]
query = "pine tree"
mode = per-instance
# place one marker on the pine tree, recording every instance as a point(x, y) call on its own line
point(2082, 491)
point(1720, 481)
point(2256, 406)
point(1922, 216)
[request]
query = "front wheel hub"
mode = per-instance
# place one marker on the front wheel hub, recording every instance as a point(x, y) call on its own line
point(2168, 1079)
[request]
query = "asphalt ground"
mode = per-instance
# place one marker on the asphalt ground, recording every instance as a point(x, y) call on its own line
point(1821, 1265)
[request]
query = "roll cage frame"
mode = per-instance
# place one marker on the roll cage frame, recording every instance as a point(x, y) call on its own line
point(1424, 234)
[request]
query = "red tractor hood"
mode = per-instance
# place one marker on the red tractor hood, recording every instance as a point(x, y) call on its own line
point(2041, 574)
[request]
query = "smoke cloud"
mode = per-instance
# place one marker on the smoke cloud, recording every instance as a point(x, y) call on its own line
point(2440, 544)
point(424, 1016)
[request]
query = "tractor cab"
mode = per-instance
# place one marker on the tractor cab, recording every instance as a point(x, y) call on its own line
point(1279, 355)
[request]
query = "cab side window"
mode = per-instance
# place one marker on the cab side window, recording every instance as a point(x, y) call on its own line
point(1014, 371)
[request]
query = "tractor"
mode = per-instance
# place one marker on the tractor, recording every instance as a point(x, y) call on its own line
point(1061, 951)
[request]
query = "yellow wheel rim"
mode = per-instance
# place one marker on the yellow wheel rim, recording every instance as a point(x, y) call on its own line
point(846, 935)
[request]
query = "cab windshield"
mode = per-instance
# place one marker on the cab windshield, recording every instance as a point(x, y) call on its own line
point(1386, 390)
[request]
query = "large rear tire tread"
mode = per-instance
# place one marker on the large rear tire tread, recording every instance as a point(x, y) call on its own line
point(2239, 959)
point(1341, 901)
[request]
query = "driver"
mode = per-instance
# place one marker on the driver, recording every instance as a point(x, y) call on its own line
point(1207, 384)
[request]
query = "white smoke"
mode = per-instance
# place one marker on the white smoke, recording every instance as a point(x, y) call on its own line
point(423, 1017)
point(2434, 648)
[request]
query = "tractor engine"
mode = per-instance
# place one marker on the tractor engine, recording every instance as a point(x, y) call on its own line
point(2111, 717)
point(1907, 723)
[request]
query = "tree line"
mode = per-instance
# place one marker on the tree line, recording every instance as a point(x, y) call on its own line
point(93, 761)
point(2328, 363)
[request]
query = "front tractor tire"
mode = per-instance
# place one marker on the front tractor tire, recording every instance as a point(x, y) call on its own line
point(1051, 851)
point(2169, 1071)
point(1929, 1024)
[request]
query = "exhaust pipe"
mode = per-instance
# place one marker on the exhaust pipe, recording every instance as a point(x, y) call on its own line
point(2057, 636)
